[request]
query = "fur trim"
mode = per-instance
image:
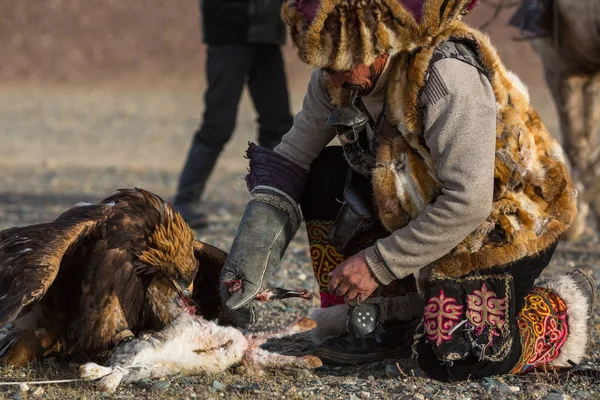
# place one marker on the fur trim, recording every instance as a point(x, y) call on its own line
point(331, 321)
point(578, 307)
point(345, 33)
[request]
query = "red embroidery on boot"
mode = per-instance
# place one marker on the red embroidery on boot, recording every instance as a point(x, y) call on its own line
point(441, 314)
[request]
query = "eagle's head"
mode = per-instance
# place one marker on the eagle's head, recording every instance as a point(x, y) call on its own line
point(170, 251)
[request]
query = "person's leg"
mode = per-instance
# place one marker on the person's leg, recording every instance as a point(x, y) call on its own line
point(549, 324)
point(268, 88)
point(592, 172)
point(226, 69)
point(566, 84)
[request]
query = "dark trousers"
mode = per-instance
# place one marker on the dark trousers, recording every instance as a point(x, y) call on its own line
point(228, 68)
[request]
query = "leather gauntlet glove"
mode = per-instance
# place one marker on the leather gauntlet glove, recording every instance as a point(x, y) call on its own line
point(270, 221)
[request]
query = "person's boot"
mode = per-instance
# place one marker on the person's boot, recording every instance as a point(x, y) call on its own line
point(367, 340)
point(556, 321)
point(199, 164)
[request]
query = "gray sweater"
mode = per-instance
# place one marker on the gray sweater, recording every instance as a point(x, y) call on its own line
point(460, 130)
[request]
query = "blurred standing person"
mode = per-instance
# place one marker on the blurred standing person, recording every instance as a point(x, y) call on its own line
point(244, 39)
point(566, 36)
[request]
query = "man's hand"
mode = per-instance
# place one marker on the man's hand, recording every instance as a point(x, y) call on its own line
point(353, 279)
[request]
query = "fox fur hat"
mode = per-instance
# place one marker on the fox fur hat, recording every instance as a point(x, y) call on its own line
point(340, 34)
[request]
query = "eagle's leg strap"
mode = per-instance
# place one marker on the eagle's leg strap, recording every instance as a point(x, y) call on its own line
point(122, 336)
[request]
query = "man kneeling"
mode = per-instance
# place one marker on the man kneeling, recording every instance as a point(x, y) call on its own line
point(445, 174)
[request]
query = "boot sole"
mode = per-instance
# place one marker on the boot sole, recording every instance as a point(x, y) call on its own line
point(332, 357)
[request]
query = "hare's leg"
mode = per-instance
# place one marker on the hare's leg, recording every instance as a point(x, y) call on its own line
point(265, 358)
point(302, 325)
point(128, 362)
point(110, 377)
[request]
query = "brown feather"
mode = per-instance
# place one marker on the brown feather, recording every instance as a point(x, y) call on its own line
point(96, 271)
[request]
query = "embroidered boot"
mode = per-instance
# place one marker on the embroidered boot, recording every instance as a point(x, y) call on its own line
point(558, 310)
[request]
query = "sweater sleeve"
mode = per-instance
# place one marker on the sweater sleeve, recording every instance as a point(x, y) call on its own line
point(309, 135)
point(460, 131)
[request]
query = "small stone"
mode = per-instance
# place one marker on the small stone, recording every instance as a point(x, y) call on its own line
point(23, 387)
point(504, 388)
point(189, 380)
point(488, 384)
point(160, 386)
point(514, 389)
point(353, 397)
point(419, 396)
point(16, 396)
point(392, 370)
point(143, 384)
point(38, 392)
point(555, 396)
point(217, 386)
point(365, 395)
point(292, 389)
point(371, 378)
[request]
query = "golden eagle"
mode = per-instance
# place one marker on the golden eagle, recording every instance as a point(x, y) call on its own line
point(100, 273)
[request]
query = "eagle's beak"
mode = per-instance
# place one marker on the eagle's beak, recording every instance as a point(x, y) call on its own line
point(185, 292)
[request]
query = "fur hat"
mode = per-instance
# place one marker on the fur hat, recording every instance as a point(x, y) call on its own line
point(339, 34)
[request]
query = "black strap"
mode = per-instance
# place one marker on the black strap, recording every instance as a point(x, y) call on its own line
point(462, 50)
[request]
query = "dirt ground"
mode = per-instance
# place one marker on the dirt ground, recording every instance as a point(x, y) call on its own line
point(95, 96)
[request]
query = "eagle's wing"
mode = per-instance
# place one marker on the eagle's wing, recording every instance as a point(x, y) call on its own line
point(206, 285)
point(30, 257)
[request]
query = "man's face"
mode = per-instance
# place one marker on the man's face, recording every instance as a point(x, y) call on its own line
point(357, 78)
point(361, 77)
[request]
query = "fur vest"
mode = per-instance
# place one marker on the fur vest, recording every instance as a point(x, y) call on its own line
point(534, 197)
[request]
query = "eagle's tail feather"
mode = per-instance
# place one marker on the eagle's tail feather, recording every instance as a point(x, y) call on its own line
point(9, 310)
point(7, 339)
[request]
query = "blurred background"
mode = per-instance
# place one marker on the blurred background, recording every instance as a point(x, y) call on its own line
point(97, 95)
